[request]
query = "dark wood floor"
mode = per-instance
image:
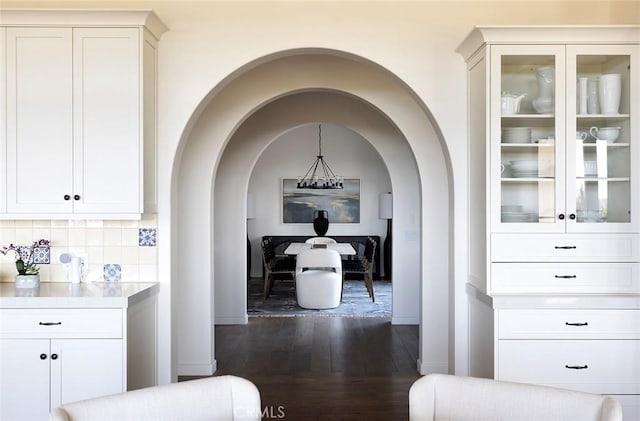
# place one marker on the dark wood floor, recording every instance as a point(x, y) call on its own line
point(323, 368)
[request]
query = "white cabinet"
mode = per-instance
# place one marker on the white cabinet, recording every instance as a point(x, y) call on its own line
point(43, 374)
point(552, 170)
point(561, 203)
point(67, 343)
point(84, 145)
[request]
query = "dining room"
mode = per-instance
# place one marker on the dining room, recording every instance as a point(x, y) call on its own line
point(279, 210)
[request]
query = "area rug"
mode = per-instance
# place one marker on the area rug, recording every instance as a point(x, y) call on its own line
point(355, 301)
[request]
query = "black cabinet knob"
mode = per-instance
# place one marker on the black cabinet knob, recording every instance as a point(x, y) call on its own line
point(43, 356)
point(76, 197)
point(54, 356)
point(67, 197)
point(572, 216)
point(561, 216)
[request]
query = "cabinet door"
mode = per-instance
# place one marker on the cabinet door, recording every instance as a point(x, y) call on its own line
point(527, 145)
point(602, 138)
point(107, 116)
point(24, 379)
point(85, 368)
point(39, 120)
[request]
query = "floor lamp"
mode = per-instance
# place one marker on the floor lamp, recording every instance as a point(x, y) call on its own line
point(251, 214)
point(385, 211)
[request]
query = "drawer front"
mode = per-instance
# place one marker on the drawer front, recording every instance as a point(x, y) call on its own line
point(596, 366)
point(568, 324)
point(564, 248)
point(61, 323)
point(550, 278)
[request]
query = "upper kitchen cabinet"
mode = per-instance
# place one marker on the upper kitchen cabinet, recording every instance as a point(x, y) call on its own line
point(561, 106)
point(81, 113)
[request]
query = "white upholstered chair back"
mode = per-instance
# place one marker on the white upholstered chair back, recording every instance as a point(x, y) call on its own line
point(318, 279)
point(220, 398)
point(437, 397)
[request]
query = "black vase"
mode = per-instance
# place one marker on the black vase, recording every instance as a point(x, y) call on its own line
point(320, 222)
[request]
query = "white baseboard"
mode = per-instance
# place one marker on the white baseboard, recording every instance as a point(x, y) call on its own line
point(404, 320)
point(197, 369)
point(433, 367)
point(231, 320)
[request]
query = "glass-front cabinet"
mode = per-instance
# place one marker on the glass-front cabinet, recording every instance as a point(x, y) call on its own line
point(564, 138)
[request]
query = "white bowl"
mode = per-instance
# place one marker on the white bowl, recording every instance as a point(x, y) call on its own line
point(610, 134)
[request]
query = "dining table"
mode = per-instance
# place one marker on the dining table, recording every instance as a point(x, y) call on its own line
point(345, 249)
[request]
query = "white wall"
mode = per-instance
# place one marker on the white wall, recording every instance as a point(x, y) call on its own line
point(289, 156)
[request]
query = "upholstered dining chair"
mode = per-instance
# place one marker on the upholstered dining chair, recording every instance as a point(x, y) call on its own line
point(275, 267)
point(320, 240)
point(363, 266)
point(318, 278)
point(219, 398)
point(440, 397)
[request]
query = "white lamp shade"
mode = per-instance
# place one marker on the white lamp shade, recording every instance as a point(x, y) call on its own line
point(385, 206)
point(251, 206)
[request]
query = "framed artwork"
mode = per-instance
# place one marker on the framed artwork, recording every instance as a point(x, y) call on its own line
point(342, 205)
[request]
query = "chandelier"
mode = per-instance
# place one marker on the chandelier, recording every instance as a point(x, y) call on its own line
point(320, 175)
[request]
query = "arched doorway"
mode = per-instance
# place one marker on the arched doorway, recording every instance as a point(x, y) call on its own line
point(209, 215)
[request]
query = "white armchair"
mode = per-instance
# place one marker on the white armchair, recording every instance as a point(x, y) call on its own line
point(219, 398)
point(439, 397)
point(318, 279)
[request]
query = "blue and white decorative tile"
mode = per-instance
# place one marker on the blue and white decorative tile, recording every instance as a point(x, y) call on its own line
point(112, 272)
point(42, 255)
point(147, 237)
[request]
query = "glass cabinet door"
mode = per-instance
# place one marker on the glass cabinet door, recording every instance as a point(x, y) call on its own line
point(527, 138)
point(602, 158)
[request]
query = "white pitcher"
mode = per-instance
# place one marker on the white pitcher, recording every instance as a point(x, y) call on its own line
point(511, 103)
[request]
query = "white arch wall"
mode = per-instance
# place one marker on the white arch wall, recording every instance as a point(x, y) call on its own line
point(255, 135)
point(194, 205)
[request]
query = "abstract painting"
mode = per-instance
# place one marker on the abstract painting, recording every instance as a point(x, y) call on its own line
point(342, 205)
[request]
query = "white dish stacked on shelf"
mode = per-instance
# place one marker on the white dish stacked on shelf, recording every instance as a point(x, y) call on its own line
point(516, 135)
point(514, 213)
point(524, 168)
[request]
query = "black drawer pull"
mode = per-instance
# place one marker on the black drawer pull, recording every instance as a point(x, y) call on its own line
point(49, 323)
point(55, 357)
point(576, 324)
point(43, 356)
point(565, 276)
point(577, 367)
point(565, 247)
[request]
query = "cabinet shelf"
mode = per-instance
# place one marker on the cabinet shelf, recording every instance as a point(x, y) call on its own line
point(609, 145)
point(523, 116)
point(594, 117)
point(527, 179)
point(609, 179)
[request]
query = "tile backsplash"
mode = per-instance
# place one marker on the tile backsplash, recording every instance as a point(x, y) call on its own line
point(128, 245)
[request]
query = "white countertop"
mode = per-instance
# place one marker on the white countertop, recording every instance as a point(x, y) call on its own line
point(83, 295)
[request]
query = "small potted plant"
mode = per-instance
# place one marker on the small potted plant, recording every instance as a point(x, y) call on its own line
point(28, 272)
